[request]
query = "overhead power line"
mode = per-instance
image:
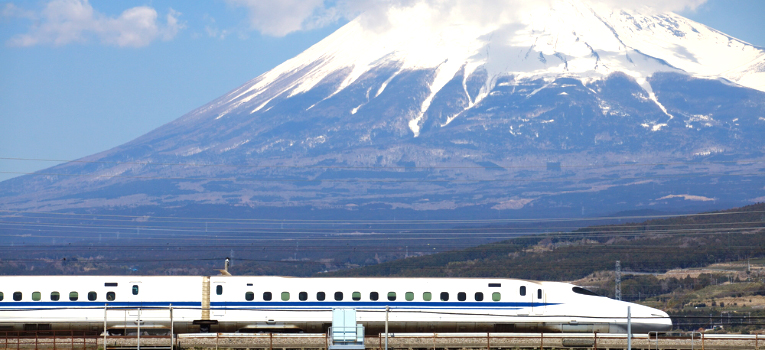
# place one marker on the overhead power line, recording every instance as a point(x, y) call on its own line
point(257, 166)
point(395, 221)
point(360, 180)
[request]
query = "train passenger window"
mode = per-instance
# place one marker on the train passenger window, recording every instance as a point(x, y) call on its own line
point(496, 296)
point(539, 294)
point(249, 296)
point(36, 296)
point(16, 296)
point(303, 296)
point(92, 296)
point(320, 296)
point(73, 296)
point(219, 289)
point(356, 296)
point(427, 296)
point(478, 296)
point(1, 296)
point(55, 296)
point(444, 296)
point(110, 296)
point(409, 296)
point(523, 290)
point(285, 296)
point(391, 296)
point(135, 289)
point(339, 296)
point(373, 296)
point(267, 296)
point(461, 296)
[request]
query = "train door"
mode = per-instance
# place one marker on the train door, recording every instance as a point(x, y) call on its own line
point(538, 300)
point(527, 298)
point(134, 299)
point(218, 299)
point(130, 301)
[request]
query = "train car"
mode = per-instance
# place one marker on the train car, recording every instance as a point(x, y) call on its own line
point(289, 304)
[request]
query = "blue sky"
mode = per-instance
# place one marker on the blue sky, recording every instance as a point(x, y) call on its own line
point(77, 78)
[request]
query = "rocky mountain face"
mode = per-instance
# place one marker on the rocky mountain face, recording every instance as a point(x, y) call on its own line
point(573, 109)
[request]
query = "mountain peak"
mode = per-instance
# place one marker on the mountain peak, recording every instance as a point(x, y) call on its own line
point(565, 38)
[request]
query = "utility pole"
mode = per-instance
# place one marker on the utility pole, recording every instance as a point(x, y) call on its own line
point(387, 309)
point(629, 329)
point(618, 291)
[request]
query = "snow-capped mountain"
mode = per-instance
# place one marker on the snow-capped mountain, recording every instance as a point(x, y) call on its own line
point(572, 38)
point(427, 109)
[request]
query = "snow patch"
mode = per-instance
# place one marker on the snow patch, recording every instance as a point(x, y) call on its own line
point(234, 146)
point(688, 197)
point(709, 151)
point(513, 204)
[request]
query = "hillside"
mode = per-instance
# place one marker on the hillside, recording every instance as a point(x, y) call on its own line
point(654, 246)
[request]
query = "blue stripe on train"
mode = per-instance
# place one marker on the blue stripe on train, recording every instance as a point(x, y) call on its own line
point(382, 304)
point(280, 304)
point(147, 304)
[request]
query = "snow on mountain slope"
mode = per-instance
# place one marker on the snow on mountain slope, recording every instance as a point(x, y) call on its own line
point(569, 38)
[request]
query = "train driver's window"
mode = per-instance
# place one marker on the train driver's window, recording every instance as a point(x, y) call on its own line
point(303, 296)
point(478, 296)
point(249, 296)
point(461, 296)
point(92, 296)
point(374, 296)
point(110, 296)
point(1, 296)
point(135, 289)
point(16, 296)
point(539, 294)
point(356, 296)
point(523, 290)
point(427, 296)
point(320, 296)
point(444, 296)
point(36, 296)
point(285, 296)
point(267, 296)
point(496, 296)
point(409, 296)
point(55, 296)
point(73, 296)
point(219, 289)
point(391, 296)
point(338, 296)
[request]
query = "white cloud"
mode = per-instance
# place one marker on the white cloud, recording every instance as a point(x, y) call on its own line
point(63, 22)
point(281, 17)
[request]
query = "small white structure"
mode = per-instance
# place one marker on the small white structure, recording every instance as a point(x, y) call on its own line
point(345, 334)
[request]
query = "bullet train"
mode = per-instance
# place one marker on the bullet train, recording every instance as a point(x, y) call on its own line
point(125, 304)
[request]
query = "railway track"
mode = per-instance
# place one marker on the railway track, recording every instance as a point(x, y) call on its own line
point(396, 341)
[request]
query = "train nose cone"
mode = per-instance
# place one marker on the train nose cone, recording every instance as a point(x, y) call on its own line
point(660, 320)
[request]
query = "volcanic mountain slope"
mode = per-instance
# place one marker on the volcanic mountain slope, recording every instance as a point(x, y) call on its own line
point(550, 107)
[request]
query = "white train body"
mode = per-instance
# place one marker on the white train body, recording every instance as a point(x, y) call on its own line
point(284, 304)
